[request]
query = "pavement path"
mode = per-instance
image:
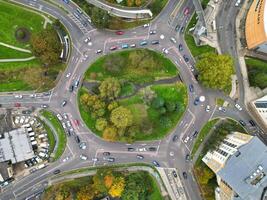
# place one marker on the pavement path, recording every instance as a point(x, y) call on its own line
point(14, 47)
point(17, 59)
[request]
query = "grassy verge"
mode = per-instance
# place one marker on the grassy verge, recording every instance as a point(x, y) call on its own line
point(8, 53)
point(257, 72)
point(189, 39)
point(62, 140)
point(219, 101)
point(203, 133)
point(137, 66)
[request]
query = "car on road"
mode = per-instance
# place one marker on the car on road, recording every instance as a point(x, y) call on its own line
point(174, 174)
point(185, 175)
point(88, 39)
point(186, 139)
point(131, 149)
point(238, 107)
point(152, 32)
point(68, 75)
point(153, 42)
point(196, 101)
point(175, 138)
point(125, 46)
point(63, 103)
point(187, 157)
point(44, 106)
point(142, 149)
point(119, 32)
point(180, 46)
point(191, 88)
point(110, 159)
point(57, 171)
point(71, 88)
point(106, 153)
point(18, 96)
point(17, 104)
point(207, 108)
point(65, 115)
point(77, 139)
point(252, 122)
point(186, 11)
point(165, 51)
point(156, 163)
point(140, 157)
point(143, 43)
point(152, 149)
point(66, 159)
point(242, 122)
point(222, 109)
point(177, 28)
point(195, 134)
point(113, 48)
point(82, 145)
point(173, 40)
point(83, 157)
point(146, 25)
point(76, 122)
point(66, 1)
point(98, 51)
point(94, 159)
point(186, 59)
point(182, 29)
point(133, 45)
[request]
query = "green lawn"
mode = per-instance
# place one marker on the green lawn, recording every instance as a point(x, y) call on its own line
point(60, 132)
point(201, 136)
point(257, 72)
point(13, 17)
point(155, 195)
point(8, 53)
point(194, 49)
point(137, 66)
point(127, 89)
point(219, 101)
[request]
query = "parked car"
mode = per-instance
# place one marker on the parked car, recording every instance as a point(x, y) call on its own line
point(18, 96)
point(143, 43)
point(153, 42)
point(140, 157)
point(131, 149)
point(146, 25)
point(207, 108)
point(125, 46)
point(83, 157)
point(110, 159)
point(133, 45)
point(252, 122)
point(174, 174)
point(185, 175)
point(175, 138)
point(113, 48)
point(106, 153)
point(152, 149)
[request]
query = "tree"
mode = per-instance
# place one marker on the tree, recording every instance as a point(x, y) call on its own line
point(113, 105)
point(117, 187)
point(121, 117)
point(86, 193)
point(215, 71)
point(109, 179)
point(46, 46)
point(110, 134)
point(100, 18)
point(170, 106)
point(157, 102)
point(101, 124)
point(110, 88)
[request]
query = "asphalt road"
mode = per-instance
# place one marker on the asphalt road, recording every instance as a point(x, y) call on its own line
point(169, 154)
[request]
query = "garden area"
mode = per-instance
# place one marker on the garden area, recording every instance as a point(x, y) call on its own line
point(132, 95)
point(205, 176)
point(102, 19)
point(62, 140)
point(257, 72)
point(30, 43)
point(107, 182)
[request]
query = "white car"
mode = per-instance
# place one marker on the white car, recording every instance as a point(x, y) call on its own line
point(59, 117)
point(237, 3)
point(66, 159)
point(83, 157)
point(173, 40)
point(146, 25)
point(32, 95)
point(186, 139)
point(165, 50)
point(142, 149)
point(94, 159)
point(18, 96)
point(87, 39)
point(98, 51)
point(68, 75)
point(207, 108)
point(222, 109)
point(238, 107)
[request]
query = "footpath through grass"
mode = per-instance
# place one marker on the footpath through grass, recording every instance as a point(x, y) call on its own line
point(62, 140)
point(8, 53)
point(257, 72)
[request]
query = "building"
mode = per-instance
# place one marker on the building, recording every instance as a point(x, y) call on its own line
point(256, 26)
point(260, 106)
point(241, 174)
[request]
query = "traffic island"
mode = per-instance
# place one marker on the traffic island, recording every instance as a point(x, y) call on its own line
point(122, 102)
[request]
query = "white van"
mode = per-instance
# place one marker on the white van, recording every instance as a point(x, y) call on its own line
point(31, 134)
point(32, 139)
point(41, 136)
point(34, 143)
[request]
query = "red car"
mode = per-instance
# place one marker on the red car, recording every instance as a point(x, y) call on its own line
point(186, 11)
point(76, 122)
point(119, 32)
point(113, 48)
point(17, 104)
